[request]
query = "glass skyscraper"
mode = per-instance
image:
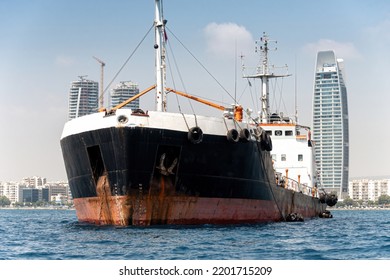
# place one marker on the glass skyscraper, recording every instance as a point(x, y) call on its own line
point(330, 123)
point(124, 91)
point(83, 98)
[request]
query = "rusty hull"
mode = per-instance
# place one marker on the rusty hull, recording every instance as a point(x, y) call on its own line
point(149, 176)
point(163, 207)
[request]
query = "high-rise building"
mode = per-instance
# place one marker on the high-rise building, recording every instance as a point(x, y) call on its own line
point(83, 98)
point(124, 91)
point(330, 123)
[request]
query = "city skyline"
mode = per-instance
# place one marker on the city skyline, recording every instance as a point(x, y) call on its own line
point(46, 44)
point(34, 190)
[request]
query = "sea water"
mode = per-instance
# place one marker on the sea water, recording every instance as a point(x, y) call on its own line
point(57, 235)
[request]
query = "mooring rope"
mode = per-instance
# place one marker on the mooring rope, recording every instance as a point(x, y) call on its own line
point(269, 181)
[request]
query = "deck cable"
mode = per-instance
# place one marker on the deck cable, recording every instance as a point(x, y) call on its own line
point(269, 181)
point(201, 64)
point(174, 84)
point(127, 60)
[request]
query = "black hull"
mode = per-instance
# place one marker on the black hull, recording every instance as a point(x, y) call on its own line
point(162, 172)
point(131, 157)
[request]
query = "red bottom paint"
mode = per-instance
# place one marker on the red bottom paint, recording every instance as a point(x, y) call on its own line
point(146, 209)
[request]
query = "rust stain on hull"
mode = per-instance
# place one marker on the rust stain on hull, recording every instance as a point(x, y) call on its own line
point(159, 204)
point(142, 208)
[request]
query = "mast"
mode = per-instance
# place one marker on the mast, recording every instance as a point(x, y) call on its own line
point(265, 112)
point(264, 74)
point(159, 47)
point(295, 92)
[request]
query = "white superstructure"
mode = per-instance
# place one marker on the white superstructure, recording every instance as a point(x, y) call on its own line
point(293, 155)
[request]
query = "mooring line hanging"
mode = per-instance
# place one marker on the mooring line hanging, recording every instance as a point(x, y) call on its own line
point(180, 76)
point(269, 182)
point(174, 85)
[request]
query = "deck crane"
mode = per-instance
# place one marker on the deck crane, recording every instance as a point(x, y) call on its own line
point(102, 64)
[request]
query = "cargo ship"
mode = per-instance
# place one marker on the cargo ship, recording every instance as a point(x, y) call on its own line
point(130, 167)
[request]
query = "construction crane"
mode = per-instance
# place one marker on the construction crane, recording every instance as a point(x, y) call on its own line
point(102, 64)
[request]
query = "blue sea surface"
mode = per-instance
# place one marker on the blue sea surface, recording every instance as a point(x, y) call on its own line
point(57, 235)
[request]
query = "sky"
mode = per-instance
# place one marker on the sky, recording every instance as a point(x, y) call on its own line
point(45, 45)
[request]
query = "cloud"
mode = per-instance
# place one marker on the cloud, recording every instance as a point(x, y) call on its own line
point(342, 50)
point(381, 29)
point(223, 38)
point(378, 36)
point(64, 61)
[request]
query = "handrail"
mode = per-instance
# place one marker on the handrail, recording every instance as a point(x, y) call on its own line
point(296, 186)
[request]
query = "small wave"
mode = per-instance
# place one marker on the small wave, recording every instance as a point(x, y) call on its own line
point(42, 235)
point(36, 255)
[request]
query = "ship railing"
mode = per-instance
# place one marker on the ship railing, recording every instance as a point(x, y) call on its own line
point(301, 137)
point(296, 186)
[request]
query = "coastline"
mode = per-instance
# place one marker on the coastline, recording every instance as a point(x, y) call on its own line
point(73, 209)
point(37, 208)
point(358, 208)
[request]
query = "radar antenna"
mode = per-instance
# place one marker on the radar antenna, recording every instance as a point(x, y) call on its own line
point(264, 74)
